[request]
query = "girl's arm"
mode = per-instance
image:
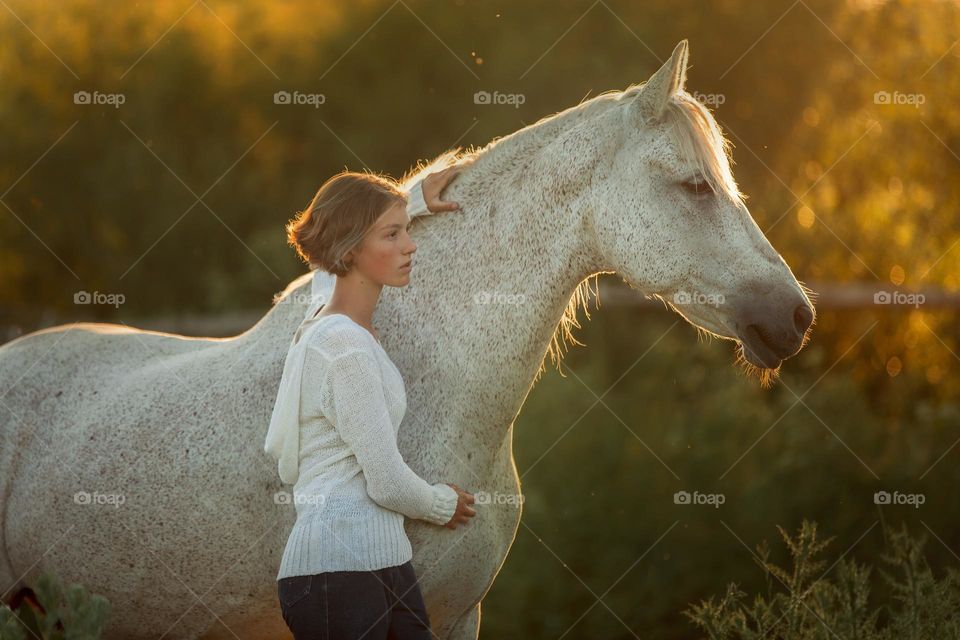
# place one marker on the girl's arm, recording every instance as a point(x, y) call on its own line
point(356, 405)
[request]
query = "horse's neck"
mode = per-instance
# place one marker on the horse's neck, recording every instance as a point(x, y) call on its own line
point(490, 286)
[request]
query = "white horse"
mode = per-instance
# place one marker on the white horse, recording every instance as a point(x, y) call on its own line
point(176, 521)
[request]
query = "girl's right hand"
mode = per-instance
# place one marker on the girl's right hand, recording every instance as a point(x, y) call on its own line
point(464, 512)
point(436, 182)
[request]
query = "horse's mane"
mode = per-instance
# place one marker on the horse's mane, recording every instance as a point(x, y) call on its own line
point(696, 133)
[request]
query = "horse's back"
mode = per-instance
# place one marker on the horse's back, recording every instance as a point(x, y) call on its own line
point(113, 338)
point(65, 392)
point(60, 373)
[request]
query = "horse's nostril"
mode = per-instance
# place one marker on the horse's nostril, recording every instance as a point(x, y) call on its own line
point(802, 318)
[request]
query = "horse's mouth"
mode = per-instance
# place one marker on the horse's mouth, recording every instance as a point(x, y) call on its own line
point(757, 352)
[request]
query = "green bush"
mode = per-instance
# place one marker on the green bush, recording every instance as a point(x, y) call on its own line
point(802, 603)
point(71, 614)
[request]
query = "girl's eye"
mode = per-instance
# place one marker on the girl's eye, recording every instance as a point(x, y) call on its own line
point(697, 187)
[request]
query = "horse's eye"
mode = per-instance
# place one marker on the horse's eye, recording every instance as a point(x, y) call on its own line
point(697, 187)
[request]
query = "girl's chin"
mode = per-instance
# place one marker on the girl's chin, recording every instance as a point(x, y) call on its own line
point(402, 281)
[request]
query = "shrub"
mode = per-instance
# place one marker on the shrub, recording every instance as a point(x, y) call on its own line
point(55, 613)
point(803, 604)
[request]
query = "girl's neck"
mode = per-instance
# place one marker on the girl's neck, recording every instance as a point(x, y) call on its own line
point(356, 297)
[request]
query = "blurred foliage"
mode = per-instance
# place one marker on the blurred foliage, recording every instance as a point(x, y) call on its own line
point(810, 606)
point(602, 450)
point(104, 198)
point(55, 613)
point(846, 186)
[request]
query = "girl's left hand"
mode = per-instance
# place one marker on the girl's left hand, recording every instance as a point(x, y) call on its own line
point(433, 184)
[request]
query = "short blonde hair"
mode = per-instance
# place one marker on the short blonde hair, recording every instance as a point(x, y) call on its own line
point(337, 219)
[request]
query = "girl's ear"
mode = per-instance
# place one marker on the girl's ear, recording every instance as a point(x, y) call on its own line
point(348, 258)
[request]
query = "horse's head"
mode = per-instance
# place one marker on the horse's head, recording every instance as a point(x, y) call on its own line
point(667, 215)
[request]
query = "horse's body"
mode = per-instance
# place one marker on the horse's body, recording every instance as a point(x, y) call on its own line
point(176, 426)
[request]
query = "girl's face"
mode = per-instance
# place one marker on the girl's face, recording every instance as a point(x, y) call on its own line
point(386, 253)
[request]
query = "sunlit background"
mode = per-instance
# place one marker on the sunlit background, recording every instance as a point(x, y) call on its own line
point(144, 152)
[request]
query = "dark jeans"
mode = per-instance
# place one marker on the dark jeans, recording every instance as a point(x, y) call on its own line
point(385, 604)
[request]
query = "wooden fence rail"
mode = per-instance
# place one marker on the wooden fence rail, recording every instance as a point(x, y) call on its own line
point(613, 294)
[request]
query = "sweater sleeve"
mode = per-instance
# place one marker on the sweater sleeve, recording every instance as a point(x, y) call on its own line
point(358, 410)
point(416, 204)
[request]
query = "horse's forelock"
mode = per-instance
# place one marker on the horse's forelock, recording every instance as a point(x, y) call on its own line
point(702, 143)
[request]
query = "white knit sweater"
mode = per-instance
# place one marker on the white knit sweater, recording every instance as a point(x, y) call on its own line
point(352, 486)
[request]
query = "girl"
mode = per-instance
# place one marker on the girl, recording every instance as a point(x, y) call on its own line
point(346, 571)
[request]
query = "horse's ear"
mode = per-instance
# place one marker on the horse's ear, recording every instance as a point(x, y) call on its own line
point(669, 79)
